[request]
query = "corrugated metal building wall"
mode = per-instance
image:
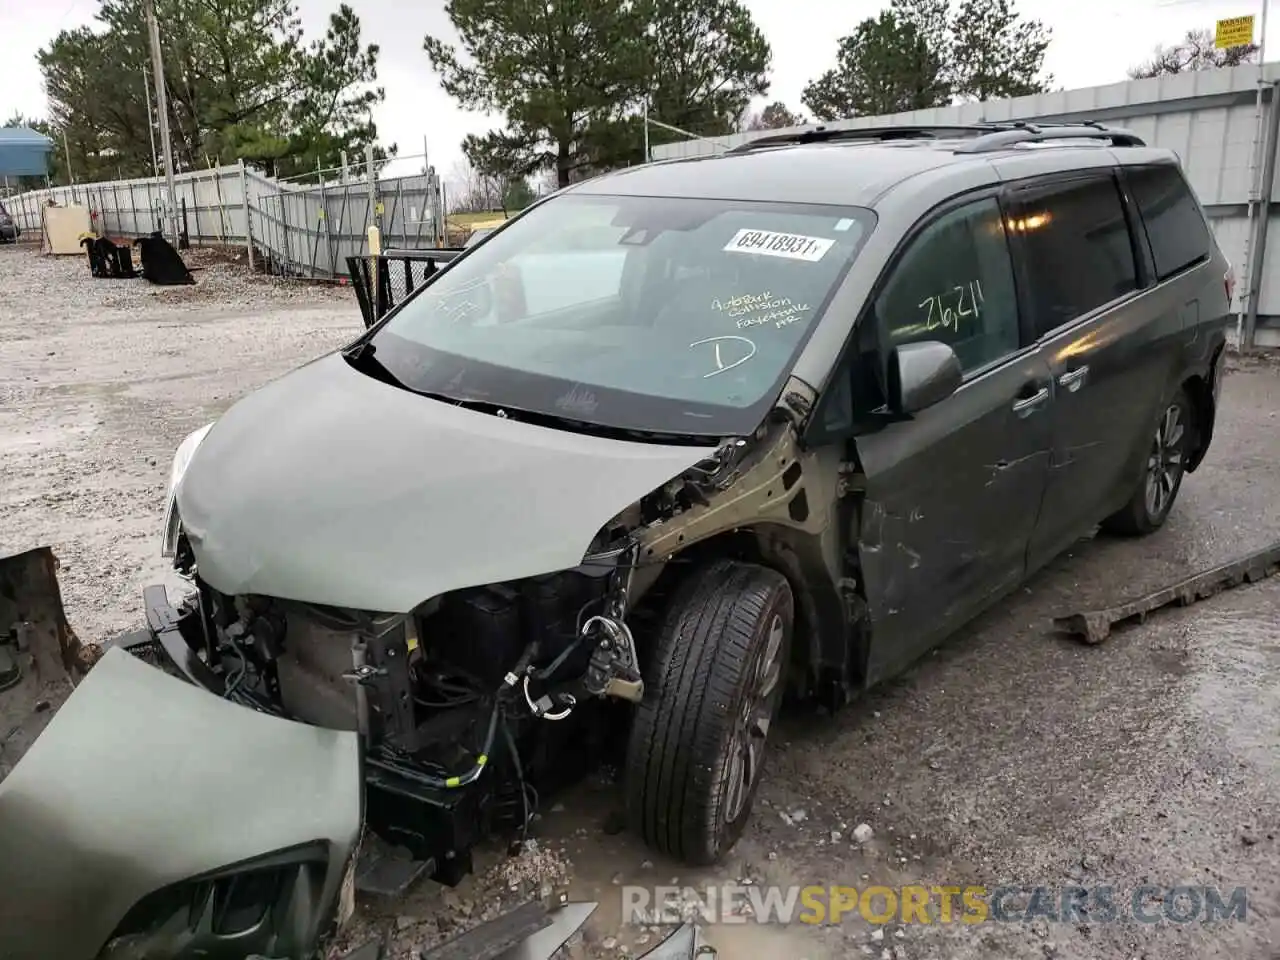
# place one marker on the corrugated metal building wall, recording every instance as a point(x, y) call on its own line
point(1207, 117)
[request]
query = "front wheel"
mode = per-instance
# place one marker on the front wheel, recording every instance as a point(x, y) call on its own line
point(1165, 467)
point(711, 691)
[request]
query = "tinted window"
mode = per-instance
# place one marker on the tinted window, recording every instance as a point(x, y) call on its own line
point(955, 284)
point(1178, 234)
point(1079, 254)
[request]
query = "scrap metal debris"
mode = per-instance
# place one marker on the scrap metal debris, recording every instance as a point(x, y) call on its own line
point(1094, 626)
point(40, 655)
point(32, 617)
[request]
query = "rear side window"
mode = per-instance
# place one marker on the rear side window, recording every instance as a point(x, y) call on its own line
point(1175, 228)
point(1076, 247)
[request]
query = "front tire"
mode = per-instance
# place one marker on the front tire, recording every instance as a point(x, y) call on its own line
point(712, 689)
point(1165, 467)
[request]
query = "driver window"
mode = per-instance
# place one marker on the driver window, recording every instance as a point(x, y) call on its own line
point(955, 284)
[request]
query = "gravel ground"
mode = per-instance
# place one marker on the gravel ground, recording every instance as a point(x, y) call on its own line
point(100, 381)
point(1009, 756)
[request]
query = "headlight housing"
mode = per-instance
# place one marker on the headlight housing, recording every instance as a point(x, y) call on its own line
point(181, 460)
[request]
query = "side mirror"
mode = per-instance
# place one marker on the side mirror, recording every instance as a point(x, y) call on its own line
point(921, 374)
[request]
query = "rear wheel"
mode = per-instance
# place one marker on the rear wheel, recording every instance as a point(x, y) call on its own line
point(1165, 467)
point(712, 689)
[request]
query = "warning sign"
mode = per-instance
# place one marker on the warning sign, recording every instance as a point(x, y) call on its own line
point(1234, 32)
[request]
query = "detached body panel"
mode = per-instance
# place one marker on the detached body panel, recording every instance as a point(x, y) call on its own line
point(142, 782)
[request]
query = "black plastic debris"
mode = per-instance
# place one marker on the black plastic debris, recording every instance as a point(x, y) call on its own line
point(161, 263)
point(107, 260)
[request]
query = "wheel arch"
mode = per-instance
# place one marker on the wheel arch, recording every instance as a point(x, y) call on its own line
point(828, 651)
point(1199, 388)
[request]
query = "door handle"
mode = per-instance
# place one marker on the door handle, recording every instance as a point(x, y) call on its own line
point(1029, 405)
point(1073, 380)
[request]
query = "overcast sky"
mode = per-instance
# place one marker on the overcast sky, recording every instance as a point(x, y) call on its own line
point(1094, 42)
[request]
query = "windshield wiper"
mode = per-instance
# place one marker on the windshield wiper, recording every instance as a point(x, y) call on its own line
point(557, 421)
point(362, 357)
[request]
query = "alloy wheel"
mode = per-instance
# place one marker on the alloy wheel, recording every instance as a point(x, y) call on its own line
point(1164, 463)
point(746, 749)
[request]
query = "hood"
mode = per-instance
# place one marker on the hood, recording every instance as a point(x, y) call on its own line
point(142, 781)
point(331, 487)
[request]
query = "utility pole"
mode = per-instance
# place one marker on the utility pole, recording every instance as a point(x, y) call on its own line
point(66, 148)
point(162, 106)
point(151, 124)
point(650, 39)
point(647, 154)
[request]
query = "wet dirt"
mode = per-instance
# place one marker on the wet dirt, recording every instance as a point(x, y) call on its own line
point(1008, 757)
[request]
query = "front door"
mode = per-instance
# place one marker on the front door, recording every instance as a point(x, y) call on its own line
point(952, 494)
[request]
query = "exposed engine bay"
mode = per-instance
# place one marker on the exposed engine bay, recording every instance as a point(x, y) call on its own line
point(466, 706)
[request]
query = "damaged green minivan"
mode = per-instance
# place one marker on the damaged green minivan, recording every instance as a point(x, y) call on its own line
point(686, 436)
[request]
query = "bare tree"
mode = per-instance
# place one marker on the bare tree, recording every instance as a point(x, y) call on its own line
point(545, 182)
point(773, 117)
point(1196, 51)
point(471, 191)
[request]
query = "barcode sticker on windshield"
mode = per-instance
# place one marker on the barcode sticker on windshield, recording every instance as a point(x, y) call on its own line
point(792, 246)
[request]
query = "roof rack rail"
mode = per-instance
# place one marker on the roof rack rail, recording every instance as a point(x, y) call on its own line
point(984, 136)
point(1009, 135)
point(822, 134)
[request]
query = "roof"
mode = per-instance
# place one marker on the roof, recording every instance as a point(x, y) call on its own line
point(860, 169)
point(24, 152)
point(840, 174)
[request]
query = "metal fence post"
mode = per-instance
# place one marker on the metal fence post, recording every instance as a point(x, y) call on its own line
point(342, 219)
point(195, 210)
point(284, 229)
point(373, 187)
point(321, 227)
point(217, 189)
point(115, 203)
point(399, 207)
point(248, 223)
point(138, 225)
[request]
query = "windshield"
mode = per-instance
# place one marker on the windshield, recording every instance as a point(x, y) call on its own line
point(662, 315)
